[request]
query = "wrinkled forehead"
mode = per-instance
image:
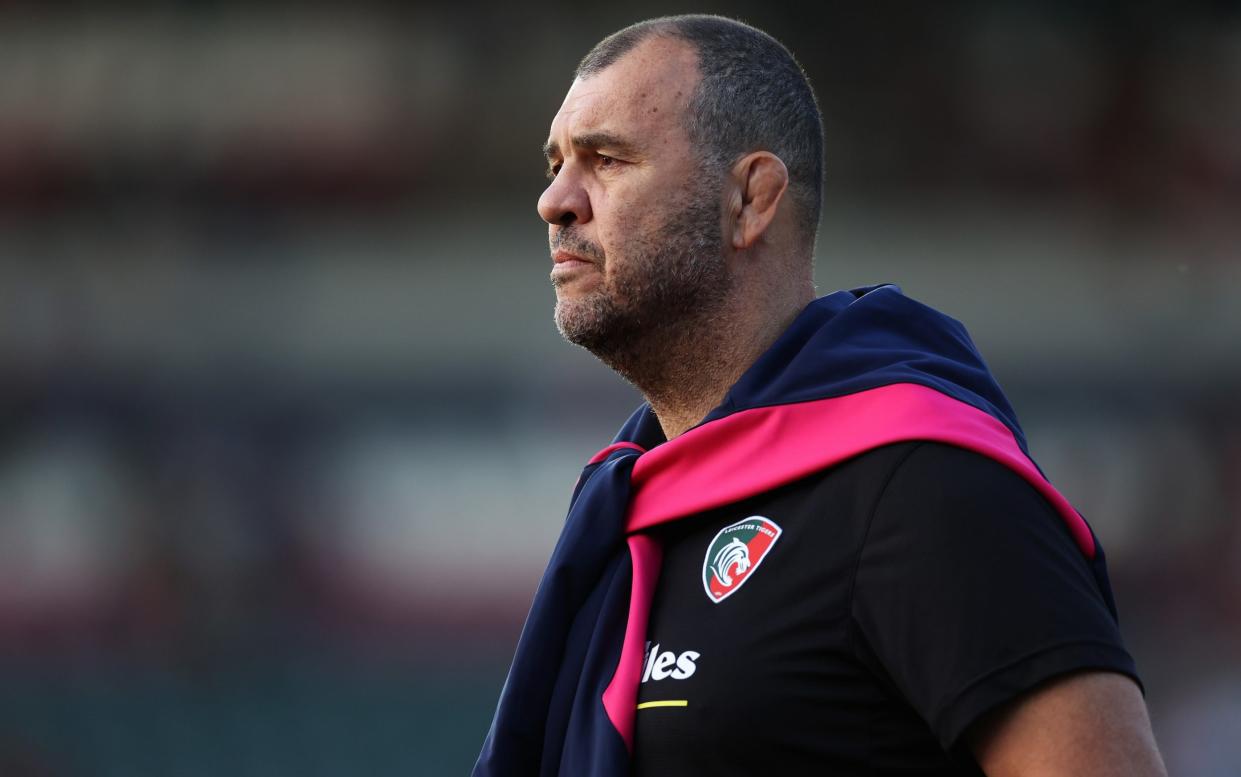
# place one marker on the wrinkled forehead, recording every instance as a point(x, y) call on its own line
point(646, 90)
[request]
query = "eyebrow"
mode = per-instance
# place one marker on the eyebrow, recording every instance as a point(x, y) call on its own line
point(591, 141)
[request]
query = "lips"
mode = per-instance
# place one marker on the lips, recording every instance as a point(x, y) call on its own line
point(570, 267)
point(563, 257)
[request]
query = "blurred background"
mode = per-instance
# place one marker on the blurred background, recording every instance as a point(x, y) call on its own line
point(287, 433)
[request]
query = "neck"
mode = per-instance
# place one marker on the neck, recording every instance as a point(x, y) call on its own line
point(685, 372)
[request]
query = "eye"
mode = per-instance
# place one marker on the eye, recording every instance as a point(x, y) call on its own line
point(606, 161)
point(553, 170)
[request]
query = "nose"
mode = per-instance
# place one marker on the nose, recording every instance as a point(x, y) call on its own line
point(565, 201)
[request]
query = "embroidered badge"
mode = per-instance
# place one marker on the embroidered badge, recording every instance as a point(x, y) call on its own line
point(735, 553)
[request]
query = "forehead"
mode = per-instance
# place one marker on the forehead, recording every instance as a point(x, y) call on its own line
point(645, 92)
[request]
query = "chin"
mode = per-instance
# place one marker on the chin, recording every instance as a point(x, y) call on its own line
point(584, 321)
point(571, 321)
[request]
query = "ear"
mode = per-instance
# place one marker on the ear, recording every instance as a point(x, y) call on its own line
point(761, 180)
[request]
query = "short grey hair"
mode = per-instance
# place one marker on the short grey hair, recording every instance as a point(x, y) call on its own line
point(753, 96)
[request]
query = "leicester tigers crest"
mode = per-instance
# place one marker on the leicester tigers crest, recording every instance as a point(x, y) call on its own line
point(735, 553)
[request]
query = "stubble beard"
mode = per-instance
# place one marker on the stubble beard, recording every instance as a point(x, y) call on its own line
point(665, 289)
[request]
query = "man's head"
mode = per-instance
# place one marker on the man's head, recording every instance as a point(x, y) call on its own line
point(683, 145)
point(751, 94)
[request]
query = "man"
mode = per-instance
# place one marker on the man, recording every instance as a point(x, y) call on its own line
point(820, 547)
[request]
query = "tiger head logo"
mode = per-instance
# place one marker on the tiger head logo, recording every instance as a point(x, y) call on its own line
point(735, 557)
point(735, 553)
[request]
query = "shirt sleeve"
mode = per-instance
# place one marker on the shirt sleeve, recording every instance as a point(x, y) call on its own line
point(969, 590)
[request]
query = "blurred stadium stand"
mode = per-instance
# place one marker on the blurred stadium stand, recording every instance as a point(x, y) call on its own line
point(288, 433)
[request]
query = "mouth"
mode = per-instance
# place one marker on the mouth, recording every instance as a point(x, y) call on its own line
point(570, 268)
point(565, 259)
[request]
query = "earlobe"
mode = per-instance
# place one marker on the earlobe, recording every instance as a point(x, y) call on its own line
point(762, 179)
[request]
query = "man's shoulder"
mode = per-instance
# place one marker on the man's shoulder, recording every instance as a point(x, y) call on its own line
point(919, 465)
point(930, 492)
point(935, 471)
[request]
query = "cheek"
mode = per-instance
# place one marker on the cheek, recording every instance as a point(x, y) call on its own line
point(628, 224)
point(628, 219)
point(620, 239)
